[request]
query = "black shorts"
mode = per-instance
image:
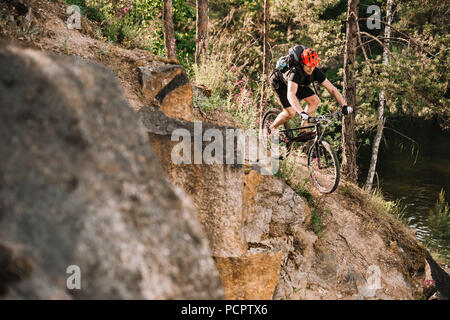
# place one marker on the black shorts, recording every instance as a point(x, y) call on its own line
point(281, 90)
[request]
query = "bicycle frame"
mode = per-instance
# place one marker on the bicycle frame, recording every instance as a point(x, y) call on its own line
point(317, 138)
point(318, 129)
point(299, 138)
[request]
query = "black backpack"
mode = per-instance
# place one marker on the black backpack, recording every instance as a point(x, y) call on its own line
point(291, 60)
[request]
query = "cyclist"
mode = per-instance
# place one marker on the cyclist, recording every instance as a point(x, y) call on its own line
point(292, 85)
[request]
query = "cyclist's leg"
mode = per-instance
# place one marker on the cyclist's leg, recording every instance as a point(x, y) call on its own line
point(284, 116)
point(288, 111)
point(312, 100)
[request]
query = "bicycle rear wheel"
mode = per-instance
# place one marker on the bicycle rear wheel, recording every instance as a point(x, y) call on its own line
point(284, 138)
point(323, 165)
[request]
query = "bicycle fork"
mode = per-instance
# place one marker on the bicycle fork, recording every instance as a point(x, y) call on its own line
point(317, 146)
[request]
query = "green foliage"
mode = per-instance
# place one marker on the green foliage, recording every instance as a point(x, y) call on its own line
point(208, 104)
point(138, 23)
point(316, 223)
point(346, 191)
point(302, 191)
point(286, 168)
point(439, 224)
point(415, 79)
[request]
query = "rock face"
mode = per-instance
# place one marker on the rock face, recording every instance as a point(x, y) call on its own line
point(170, 86)
point(79, 185)
point(271, 207)
point(349, 260)
point(220, 194)
point(250, 277)
point(216, 189)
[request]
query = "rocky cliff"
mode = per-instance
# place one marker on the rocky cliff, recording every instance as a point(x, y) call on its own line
point(258, 220)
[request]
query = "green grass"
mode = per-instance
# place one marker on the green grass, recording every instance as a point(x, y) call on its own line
point(209, 105)
point(305, 194)
point(396, 208)
point(316, 223)
point(346, 191)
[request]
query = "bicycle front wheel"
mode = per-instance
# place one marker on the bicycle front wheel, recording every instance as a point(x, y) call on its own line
point(323, 166)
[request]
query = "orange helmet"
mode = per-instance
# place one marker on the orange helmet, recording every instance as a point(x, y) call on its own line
point(310, 58)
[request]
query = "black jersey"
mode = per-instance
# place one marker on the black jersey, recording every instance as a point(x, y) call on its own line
point(301, 78)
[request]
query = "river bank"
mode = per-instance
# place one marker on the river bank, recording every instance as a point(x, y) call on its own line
point(412, 172)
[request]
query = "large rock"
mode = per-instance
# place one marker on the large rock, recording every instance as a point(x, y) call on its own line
point(271, 207)
point(170, 86)
point(216, 189)
point(80, 185)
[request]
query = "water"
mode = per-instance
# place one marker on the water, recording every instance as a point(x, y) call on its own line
point(417, 184)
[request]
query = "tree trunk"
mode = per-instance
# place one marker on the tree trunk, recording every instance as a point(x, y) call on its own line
point(381, 119)
point(169, 37)
point(349, 167)
point(266, 59)
point(201, 31)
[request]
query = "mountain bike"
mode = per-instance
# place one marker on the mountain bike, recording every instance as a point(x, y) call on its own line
point(323, 163)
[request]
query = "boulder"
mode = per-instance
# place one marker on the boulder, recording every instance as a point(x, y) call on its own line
point(341, 262)
point(271, 207)
point(80, 187)
point(170, 86)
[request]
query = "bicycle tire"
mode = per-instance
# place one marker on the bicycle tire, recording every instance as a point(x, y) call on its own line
point(268, 118)
point(323, 166)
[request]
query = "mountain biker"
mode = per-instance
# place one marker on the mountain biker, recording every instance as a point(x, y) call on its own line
point(292, 85)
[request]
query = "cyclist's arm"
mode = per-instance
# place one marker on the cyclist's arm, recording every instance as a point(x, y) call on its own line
point(334, 92)
point(292, 96)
